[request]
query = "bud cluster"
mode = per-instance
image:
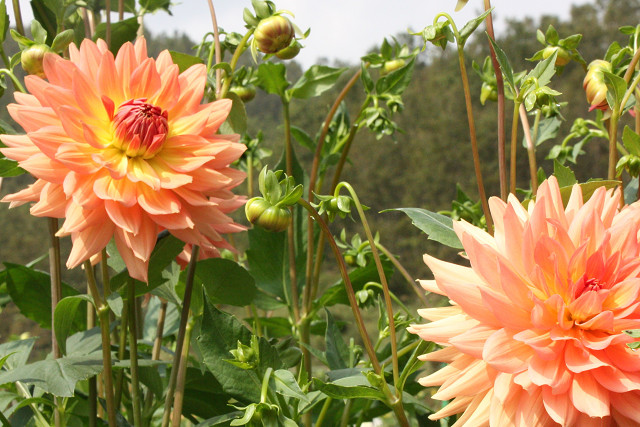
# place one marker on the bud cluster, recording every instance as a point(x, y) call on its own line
point(271, 211)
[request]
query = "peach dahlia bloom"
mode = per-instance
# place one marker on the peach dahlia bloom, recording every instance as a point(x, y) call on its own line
point(535, 333)
point(123, 148)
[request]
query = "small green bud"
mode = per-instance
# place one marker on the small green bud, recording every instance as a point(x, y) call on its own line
point(392, 65)
point(488, 92)
point(32, 59)
point(271, 218)
point(273, 34)
point(563, 57)
point(246, 93)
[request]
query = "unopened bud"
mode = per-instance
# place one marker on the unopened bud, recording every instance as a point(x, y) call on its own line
point(595, 86)
point(563, 57)
point(290, 51)
point(32, 59)
point(272, 218)
point(273, 34)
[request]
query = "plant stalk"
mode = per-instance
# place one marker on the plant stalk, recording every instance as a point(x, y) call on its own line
point(531, 149)
point(182, 374)
point(133, 355)
point(56, 295)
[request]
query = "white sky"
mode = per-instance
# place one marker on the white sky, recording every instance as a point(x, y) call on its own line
point(342, 29)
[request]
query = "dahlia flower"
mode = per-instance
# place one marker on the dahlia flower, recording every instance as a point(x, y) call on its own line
point(123, 148)
point(535, 334)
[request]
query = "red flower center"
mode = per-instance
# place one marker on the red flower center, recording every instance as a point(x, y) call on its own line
point(585, 285)
point(140, 128)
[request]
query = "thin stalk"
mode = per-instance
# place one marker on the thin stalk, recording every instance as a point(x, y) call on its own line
point(155, 352)
point(107, 12)
point(536, 127)
point(344, 420)
point(39, 418)
point(5, 422)
point(383, 277)
point(120, 10)
point(216, 42)
point(103, 316)
point(93, 387)
point(233, 62)
point(182, 374)
point(14, 79)
point(18, 17)
point(502, 163)
point(531, 149)
point(140, 18)
point(419, 293)
point(56, 295)
point(514, 146)
point(323, 411)
point(133, 356)
point(122, 347)
point(184, 316)
point(249, 174)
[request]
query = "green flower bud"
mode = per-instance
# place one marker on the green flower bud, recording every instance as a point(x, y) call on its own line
point(273, 34)
point(290, 51)
point(392, 65)
point(594, 85)
point(245, 93)
point(563, 57)
point(32, 59)
point(488, 92)
point(271, 218)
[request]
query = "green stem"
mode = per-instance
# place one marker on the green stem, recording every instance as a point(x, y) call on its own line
point(323, 411)
point(103, 316)
point(155, 354)
point(536, 127)
point(410, 366)
point(133, 356)
point(14, 79)
point(416, 288)
point(531, 149)
point(513, 149)
point(40, 419)
point(18, 17)
point(107, 9)
point(234, 61)
point(344, 420)
point(502, 164)
point(93, 386)
point(264, 390)
point(393, 297)
point(5, 422)
point(216, 43)
point(383, 277)
point(249, 174)
point(182, 374)
point(184, 316)
point(122, 347)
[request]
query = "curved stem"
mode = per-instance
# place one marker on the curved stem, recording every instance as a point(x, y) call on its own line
point(184, 316)
point(103, 316)
point(14, 79)
point(404, 273)
point(133, 355)
point(514, 146)
point(383, 277)
point(234, 61)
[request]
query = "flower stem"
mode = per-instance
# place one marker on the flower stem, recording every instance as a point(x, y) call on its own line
point(93, 387)
point(14, 80)
point(184, 316)
point(234, 61)
point(419, 293)
point(323, 411)
point(514, 148)
point(18, 17)
point(502, 164)
point(133, 355)
point(56, 294)
point(216, 42)
point(103, 315)
point(155, 352)
point(531, 149)
point(122, 345)
point(182, 374)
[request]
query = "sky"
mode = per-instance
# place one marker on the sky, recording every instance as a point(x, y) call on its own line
point(340, 29)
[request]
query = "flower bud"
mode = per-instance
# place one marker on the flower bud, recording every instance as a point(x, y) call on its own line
point(489, 92)
point(245, 93)
point(392, 65)
point(273, 34)
point(270, 217)
point(290, 51)
point(595, 86)
point(563, 57)
point(32, 59)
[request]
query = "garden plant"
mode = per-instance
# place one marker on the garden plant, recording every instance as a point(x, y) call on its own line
point(216, 280)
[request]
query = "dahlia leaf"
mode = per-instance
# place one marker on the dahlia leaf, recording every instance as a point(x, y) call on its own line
point(315, 81)
point(121, 32)
point(356, 387)
point(471, 26)
point(286, 385)
point(151, 6)
point(64, 316)
point(505, 66)
point(631, 141)
point(265, 258)
point(10, 167)
point(337, 352)
point(563, 174)
point(226, 282)
point(4, 21)
point(272, 78)
point(437, 227)
point(237, 119)
point(30, 290)
point(184, 60)
point(56, 376)
point(220, 333)
point(616, 86)
point(397, 81)
point(18, 352)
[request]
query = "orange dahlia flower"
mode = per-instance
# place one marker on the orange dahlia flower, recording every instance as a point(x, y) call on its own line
point(535, 333)
point(123, 148)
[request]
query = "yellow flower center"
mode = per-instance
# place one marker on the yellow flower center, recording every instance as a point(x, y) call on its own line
point(140, 128)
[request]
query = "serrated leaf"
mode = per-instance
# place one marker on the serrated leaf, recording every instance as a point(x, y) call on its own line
point(563, 174)
point(436, 226)
point(315, 81)
point(544, 70)
point(226, 282)
point(631, 141)
point(397, 81)
point(121, 32)
point(272, 78)
point(18, 350)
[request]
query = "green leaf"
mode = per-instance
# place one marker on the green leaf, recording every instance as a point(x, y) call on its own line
point(437, 227)
point(286, 384)
point(563, 174)
point(220, 333)
point(303, 138)
point(226, 282)
point(121, 32)
point(38, 33)
point(44, 11)
point(315, 81)
point(115, 303)
point(507, 71)
point(367, 82)
point(18, 352)
point(56, 376)
point(631, 141)
point(266, 257)
point(617, 87)
point(356, 387)
point(9, 168)
point(544, 70)
point(547, 129)
point(62, 40)
point(220, 419)
point(272, 78)
point(30, 290)
point(184, 60)
point(337, 353)
point(65, 315)
point(237, 119)
point(588, 188)
point(151, 6)
point(471, 26)
point(85, 342)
